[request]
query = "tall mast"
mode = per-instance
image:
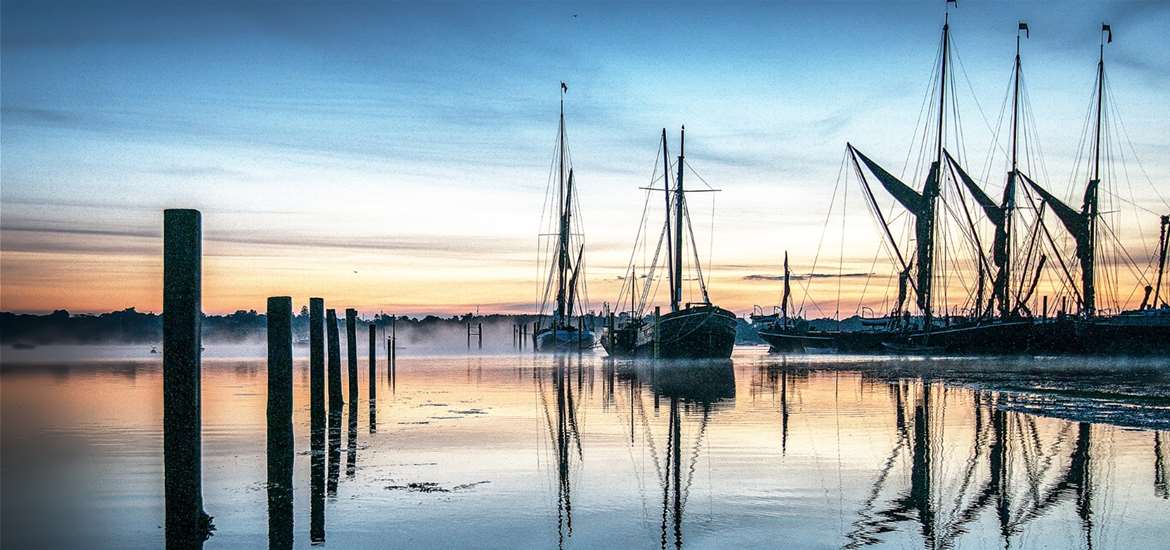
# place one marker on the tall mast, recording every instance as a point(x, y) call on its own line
point(1003, 278)
point(942, 92)
point(787, 291)
point(930, 190)
point(676, 291)
point(563, 236)
point(1089, 208)
point(666, 196)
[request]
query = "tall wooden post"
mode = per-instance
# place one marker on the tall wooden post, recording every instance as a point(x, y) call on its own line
point(280, 428)
point(373, 361)
point(335, 398)
point(317, 420)
point(469, 335)
point(480, 332)
point(351, 352)
point(187, 525)
point(317, 369)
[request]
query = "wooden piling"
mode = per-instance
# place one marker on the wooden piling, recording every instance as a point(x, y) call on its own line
point(480, 332)
point(317, 371)
point(187, 525)
point(373, 361)
point(280, 428)
point(1045, 313)
point(335, 398)
point(317, 426)
point(351, 352)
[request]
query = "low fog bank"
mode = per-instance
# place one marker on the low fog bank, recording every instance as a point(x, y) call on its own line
point(416, 335)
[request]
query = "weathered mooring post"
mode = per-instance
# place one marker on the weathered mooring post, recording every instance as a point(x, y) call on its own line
point(373, 361)
point(351, 352)
point(187, 525)
point(316, 370)
point(317, 420)
point(335, 398)
point(280, 429)
point(479, 331)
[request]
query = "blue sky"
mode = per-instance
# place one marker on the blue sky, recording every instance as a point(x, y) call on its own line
point(410, 142)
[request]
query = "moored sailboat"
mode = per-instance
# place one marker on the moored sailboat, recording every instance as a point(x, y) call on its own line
point(698, 329)
point(558, 331)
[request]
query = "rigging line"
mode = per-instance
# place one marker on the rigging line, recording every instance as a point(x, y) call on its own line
point(868, 277)
point(639, 237)
point(1052, 245)
point(927, 107)
point(1125, 133)
point(1141, 278)
point(808, 281)
point(989, 161)
point(650, 276)
point(841, 255)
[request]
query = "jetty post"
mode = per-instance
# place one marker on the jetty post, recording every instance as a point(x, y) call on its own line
point(1045, 311)
point(351, 352)
point(469, 335)
point(187, 525)
point(335, 398)
point(373, 361)
point(317, 373)
point(479, 330)
point(280, 428)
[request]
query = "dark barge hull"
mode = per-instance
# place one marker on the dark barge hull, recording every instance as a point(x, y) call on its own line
point(793, 341)
point(697, 332)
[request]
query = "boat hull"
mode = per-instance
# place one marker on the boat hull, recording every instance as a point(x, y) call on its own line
point(790, 340)
point(563, 339)
point(697, 332)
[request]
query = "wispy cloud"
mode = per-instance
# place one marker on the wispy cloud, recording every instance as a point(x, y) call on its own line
point(807, 276)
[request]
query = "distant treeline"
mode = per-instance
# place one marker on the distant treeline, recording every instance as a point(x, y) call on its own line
point(130, 326)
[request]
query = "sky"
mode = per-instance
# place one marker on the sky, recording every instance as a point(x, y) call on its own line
point(395, 156)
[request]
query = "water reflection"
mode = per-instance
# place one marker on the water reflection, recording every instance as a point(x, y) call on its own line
point(566, 441)
point(334, 450)
point(351, 441)
point(630, 454)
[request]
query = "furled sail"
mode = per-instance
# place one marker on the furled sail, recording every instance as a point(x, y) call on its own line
point(997, 214)
point(922, 206)
point(1080, 226)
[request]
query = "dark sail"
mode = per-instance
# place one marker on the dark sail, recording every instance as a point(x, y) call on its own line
point(998, 215)
point(922, 206)
point(1080, 226)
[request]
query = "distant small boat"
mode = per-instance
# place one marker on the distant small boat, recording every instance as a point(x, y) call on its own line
point(153, 349)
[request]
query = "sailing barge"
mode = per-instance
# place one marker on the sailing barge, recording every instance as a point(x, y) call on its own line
point(1008, 321)
point(690, 329)
point(558, 332)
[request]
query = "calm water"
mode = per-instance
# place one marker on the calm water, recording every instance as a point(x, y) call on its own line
point(520, 451)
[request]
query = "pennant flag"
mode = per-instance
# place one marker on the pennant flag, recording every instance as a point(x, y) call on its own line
point(1105, 29)
point(1024, 27)
point(564, 87)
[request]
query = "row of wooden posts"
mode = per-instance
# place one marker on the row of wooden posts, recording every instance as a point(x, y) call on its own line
point(187, 524)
